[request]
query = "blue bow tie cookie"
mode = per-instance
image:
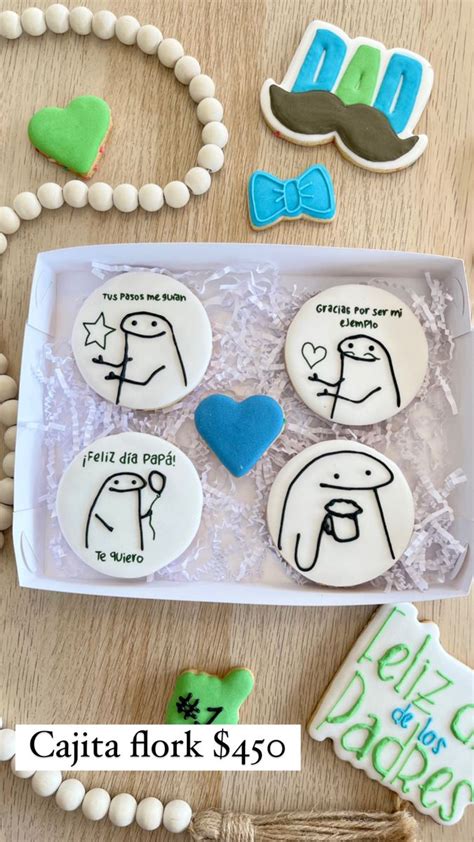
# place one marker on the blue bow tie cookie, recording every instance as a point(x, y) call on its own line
point(239, 433)
point(310, 195)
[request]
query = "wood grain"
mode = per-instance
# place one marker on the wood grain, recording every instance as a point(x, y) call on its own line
point(74, 658)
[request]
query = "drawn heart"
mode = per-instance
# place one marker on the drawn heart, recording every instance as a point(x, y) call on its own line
point(313, 354)
point(72, 136)
point(239, 433)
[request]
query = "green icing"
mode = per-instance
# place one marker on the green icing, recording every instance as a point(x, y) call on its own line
point(390, 659)
point(455, 725)
point(72, 136)
point(431, 785)
point(360, 77)
point(373, 732)
point(200, 698)
point(448, 817)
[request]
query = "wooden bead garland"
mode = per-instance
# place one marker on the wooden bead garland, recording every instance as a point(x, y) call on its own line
point(125, 197)
point(8, 414)
point(212, 825)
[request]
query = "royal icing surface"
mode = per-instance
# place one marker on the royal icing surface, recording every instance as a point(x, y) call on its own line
point(142, 340)
point(401, 709)
point(204, 699)
point(271, 200)
point(353, 91)
point(239, 432)
point(73, 136)
point(129, 504)
point(356, 354)
point(340, 513)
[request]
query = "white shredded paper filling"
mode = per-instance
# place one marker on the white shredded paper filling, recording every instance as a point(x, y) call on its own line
point(250, 310)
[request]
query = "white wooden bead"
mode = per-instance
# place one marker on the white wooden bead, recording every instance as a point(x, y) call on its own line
point(96, 804)
point(126, 198)
point(3, 364)
point(186, 68)
point(2, 542)
point(10, 25)
point(26, 205)
point(3, 243)
point(211, 157)
point(46, 783)
point(198, 180)
point(6, 518)
point(50, 195)
point(6, 491)
point(101, 196)
point(103, 24)
point(8, 413)
point(8, 464)
point(149, 814)
point(169, 51)
point(150, 197)
point(200, 87)
point(7, 744)
point(126, 30)
point(33, 21)
point(9, 221)
point(57, 18)
point(23, 775)
point(70, 795)
point(177, 816)
point(75, 193)
point(122, 809)
point(210, 110)
point(9, 438)
point(176, 194)
point(8, 389)
point(148, 39)
point(80, 20)
point(216, 133)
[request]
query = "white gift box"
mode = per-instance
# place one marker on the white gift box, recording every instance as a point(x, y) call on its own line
point(63, 278)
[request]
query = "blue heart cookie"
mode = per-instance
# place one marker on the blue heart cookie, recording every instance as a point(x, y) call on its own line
point(239, 433)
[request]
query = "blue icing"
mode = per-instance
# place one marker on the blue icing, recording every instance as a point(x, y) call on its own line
point(327, 53)
point(271, 198)
point(403, 73)
point(239, 433)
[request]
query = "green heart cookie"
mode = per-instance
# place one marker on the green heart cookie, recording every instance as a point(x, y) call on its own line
point(72, 136)
point(203, 699)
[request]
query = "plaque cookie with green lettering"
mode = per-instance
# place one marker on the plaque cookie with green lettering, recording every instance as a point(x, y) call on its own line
point(354, 91)
point(402, 710)
point(129, 504)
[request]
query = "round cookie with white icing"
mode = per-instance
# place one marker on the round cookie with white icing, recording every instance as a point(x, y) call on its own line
point(340, 513)
point(129, 504)
point(356, 354)
point(142, 340)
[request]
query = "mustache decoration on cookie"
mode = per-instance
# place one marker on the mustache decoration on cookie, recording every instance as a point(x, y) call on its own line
point(364, 130)
point(354, 91)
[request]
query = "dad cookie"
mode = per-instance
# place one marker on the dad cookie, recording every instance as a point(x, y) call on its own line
point(340, 513)
point(204, 699)
point(75, 136)
point(356, 354)
point(129, 504)
point(142, 340)
point(355, 91)
point(401, 709)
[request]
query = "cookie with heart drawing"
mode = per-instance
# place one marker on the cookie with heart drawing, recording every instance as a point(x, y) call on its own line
point(75, 136)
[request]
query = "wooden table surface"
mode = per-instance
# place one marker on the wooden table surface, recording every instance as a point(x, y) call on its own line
point(82, 659)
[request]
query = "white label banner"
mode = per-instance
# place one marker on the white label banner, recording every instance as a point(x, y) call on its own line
point(158, 747)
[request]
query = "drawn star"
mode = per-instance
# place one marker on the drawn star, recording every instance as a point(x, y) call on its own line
point(97, 332)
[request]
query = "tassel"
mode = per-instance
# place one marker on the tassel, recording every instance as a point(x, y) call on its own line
point(213, 826)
